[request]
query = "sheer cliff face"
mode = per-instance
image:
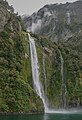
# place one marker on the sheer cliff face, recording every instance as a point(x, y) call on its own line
point(57, 21)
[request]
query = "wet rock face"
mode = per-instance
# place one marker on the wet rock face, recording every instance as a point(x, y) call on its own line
point(57, 21)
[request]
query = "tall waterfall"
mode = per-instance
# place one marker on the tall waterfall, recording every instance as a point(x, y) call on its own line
point(37, 83)
point(63, 86)
point(35, 73)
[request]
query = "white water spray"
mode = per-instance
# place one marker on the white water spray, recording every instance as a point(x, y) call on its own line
point(35, 73)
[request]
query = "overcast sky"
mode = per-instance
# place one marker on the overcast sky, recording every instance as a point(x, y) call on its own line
point(30, 6)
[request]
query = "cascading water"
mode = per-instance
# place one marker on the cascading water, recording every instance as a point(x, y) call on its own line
point(45, 83)
point(37, 83)
point(35, 72)
point(63, 86)
point(44, 71)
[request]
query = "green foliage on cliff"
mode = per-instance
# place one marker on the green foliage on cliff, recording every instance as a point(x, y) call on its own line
point(16, 85)
point(71, 51)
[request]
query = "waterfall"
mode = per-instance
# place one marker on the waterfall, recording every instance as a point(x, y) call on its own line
point(45, 82)
point(63, 86)
point(35, 73)
point(68, 18)
point(37, 83)
point(44, 72)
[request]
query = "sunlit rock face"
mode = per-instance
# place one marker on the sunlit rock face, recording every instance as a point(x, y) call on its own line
point(56, 21)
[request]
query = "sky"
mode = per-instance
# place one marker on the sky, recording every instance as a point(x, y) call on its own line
point(29, 6)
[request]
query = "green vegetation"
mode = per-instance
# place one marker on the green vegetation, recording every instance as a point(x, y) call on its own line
point(16, 85)
point(71, 51)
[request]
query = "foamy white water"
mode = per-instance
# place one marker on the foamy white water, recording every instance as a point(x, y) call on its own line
point(35, 72)
point(69, 111)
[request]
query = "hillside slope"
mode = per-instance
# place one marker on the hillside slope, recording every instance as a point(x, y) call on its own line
point(16, 85)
